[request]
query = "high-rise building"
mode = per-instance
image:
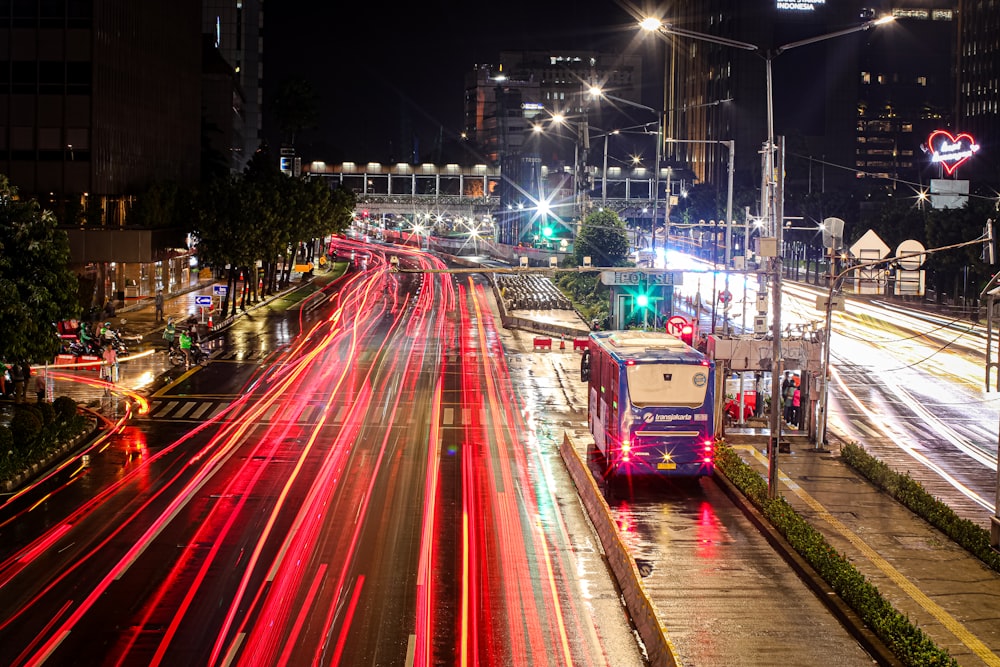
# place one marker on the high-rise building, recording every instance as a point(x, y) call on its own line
point(98, 100)
point(237, 29)
point(978, 109)
point(906, 91)
point(851, 107)
point(505, 103)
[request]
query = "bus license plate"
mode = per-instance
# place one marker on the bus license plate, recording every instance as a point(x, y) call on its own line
point(666, 466)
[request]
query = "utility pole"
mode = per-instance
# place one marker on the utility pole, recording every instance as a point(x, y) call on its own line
point(777, 362)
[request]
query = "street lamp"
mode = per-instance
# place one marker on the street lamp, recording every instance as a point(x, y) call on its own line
point(597, 93)
point(772, 202)
point(582, 130)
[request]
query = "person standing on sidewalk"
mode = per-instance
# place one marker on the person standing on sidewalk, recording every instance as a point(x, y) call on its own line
point(17, 377)
point(40, 386)
point(159, 305)
point(111, 364)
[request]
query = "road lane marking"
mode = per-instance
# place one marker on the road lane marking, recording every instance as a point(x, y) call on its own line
point(184, 376)
point(947, 620)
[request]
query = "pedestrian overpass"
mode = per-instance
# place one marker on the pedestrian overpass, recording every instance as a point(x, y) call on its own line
point(452, 191)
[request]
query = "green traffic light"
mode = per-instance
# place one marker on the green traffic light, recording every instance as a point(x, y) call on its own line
point(642, 300)
point(547, 231)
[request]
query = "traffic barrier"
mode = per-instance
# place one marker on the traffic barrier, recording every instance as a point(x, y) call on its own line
point(580, 344)
point(63, 359)
point(542, 343)
point(659, 648)
point(87, 358)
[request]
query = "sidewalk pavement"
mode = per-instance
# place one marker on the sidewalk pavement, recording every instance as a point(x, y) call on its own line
point(147, 359)
point(944, 590)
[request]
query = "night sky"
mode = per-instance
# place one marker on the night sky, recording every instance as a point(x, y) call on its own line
point(380, 68)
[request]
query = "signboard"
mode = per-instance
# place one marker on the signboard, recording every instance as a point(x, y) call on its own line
point(676, 324)
point(870, 246)
point(220, 290)
point(636, 278)
point(913, 261)
point(203, 300)
point(799, 5)
point(951, 150)
point(836, 303)
point(949, 193)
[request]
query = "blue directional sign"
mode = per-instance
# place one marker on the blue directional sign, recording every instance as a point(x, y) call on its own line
point(203, 300)
point(220, 290)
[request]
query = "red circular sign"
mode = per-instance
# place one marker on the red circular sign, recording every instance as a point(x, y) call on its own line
point(676, 324)
point(725, 296)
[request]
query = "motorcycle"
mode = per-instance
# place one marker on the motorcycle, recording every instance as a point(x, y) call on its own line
point(198, 356)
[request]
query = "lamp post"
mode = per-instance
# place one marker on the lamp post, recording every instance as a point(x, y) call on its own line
point(772, 200)
point(596, 92)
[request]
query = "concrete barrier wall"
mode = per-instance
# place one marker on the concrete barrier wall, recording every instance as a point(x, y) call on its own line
point(641, 608)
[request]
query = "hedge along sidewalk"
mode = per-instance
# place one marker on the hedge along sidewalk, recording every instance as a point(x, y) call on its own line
point(912, 495)
point(907, 642)
point(38, 434)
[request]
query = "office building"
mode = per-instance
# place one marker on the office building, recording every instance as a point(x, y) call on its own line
point(236, 30)
point(978, 110)
point(852, 108)
point(98, 100)
point(503, 105)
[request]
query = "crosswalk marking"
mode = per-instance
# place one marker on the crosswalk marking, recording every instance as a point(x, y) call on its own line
point(183, 410)
point(197, 414)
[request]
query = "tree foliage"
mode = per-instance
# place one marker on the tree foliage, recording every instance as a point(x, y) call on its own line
point(603, 238)
point(949, 269)
point(296, 108)
point(262, 217)
point(36, 286)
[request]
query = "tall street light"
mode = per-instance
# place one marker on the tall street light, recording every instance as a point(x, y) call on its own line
point(772, 202)
point(596, 93)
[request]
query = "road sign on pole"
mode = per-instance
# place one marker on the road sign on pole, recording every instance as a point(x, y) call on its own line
point(220, 290)
point(203, 300)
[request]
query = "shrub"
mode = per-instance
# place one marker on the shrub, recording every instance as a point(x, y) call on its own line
point(65, 408)
point(6, 441)
point(47, 412)
point(25, 425)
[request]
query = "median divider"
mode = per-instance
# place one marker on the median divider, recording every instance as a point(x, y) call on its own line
point(640, 607)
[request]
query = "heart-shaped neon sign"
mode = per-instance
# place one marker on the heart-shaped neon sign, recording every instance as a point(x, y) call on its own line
point(950, 150)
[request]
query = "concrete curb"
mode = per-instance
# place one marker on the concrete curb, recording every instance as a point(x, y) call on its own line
point(847, 617)
point(659, 650)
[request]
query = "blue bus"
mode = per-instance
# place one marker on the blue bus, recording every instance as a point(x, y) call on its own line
point(651, 404)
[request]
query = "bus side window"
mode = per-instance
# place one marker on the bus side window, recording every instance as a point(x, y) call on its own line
point(585, 366)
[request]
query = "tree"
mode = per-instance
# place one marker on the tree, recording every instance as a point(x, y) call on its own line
point(958, 271)
point(164, 205)
point(36, 286)
point(603, 238)
point(296, 108)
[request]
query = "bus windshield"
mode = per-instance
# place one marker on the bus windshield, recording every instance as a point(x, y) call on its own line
point(667, 385)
